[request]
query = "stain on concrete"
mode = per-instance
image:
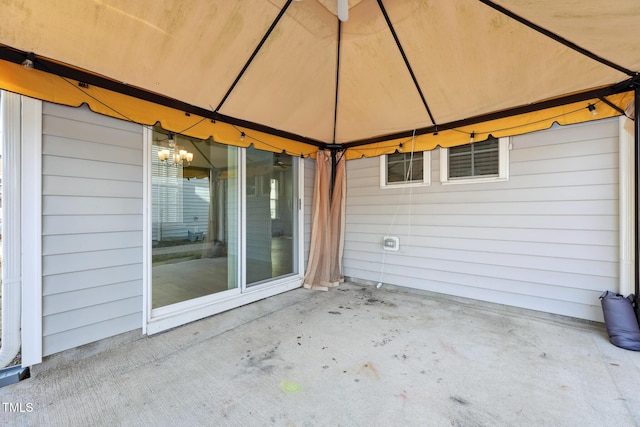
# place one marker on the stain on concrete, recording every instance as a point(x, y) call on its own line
point(459, 400)
point(383, 342)
point(262, 361)
point(367, 297)
point(387, 337)
point(449, 347)
point(289, 387)
point(369, 369)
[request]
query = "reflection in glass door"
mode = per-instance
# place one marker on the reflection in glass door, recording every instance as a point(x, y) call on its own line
point(271, 221)
point(194, 196)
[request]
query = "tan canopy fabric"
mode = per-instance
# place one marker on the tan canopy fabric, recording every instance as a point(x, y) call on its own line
point(288, 75)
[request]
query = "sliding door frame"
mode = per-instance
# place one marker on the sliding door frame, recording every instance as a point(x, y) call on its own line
point(163, 318)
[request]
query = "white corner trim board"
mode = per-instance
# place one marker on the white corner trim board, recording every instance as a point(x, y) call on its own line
point(31, 231)
point(626, 200)
point(11, 245)
point(22, 229)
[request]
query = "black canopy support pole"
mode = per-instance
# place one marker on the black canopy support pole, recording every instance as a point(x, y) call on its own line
point(334, 167)
point(636, 127)
point(558, 38)
point(334, 148)
point(406, 60)
point(253, 55)
point(335, 105)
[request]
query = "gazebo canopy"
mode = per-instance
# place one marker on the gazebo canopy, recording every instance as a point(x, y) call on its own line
point(289, 75)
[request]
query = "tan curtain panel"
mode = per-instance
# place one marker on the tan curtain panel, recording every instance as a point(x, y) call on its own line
point(324, 269)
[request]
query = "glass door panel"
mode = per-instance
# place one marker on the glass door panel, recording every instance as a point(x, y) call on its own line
point(271, 221)
point(195, 227)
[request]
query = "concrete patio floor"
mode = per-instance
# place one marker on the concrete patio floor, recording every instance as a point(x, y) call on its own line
point(353, 356)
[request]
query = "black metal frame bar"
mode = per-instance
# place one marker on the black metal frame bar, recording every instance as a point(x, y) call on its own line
point(406, 60)
point(636, 181)
point(86, 80)
point(557, 38)
point(335, 105)
point(253, 55)
point(625, 86)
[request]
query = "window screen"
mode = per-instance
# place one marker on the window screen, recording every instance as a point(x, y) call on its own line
point(403, 167)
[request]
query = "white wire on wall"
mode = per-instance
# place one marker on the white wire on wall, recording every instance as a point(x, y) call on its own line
point(392, 223)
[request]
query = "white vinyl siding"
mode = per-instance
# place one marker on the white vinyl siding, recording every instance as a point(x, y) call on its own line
point(92, 227)
point(546, 239)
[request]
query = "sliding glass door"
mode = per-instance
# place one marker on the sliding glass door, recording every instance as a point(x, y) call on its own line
point(218, 211)
point(271, 216)
point(195, 218)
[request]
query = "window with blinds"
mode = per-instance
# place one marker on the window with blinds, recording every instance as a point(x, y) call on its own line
point(475, 162)
point(477, 159)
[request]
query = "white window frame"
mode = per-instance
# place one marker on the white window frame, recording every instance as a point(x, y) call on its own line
point(426, 173)
point(504, 145)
